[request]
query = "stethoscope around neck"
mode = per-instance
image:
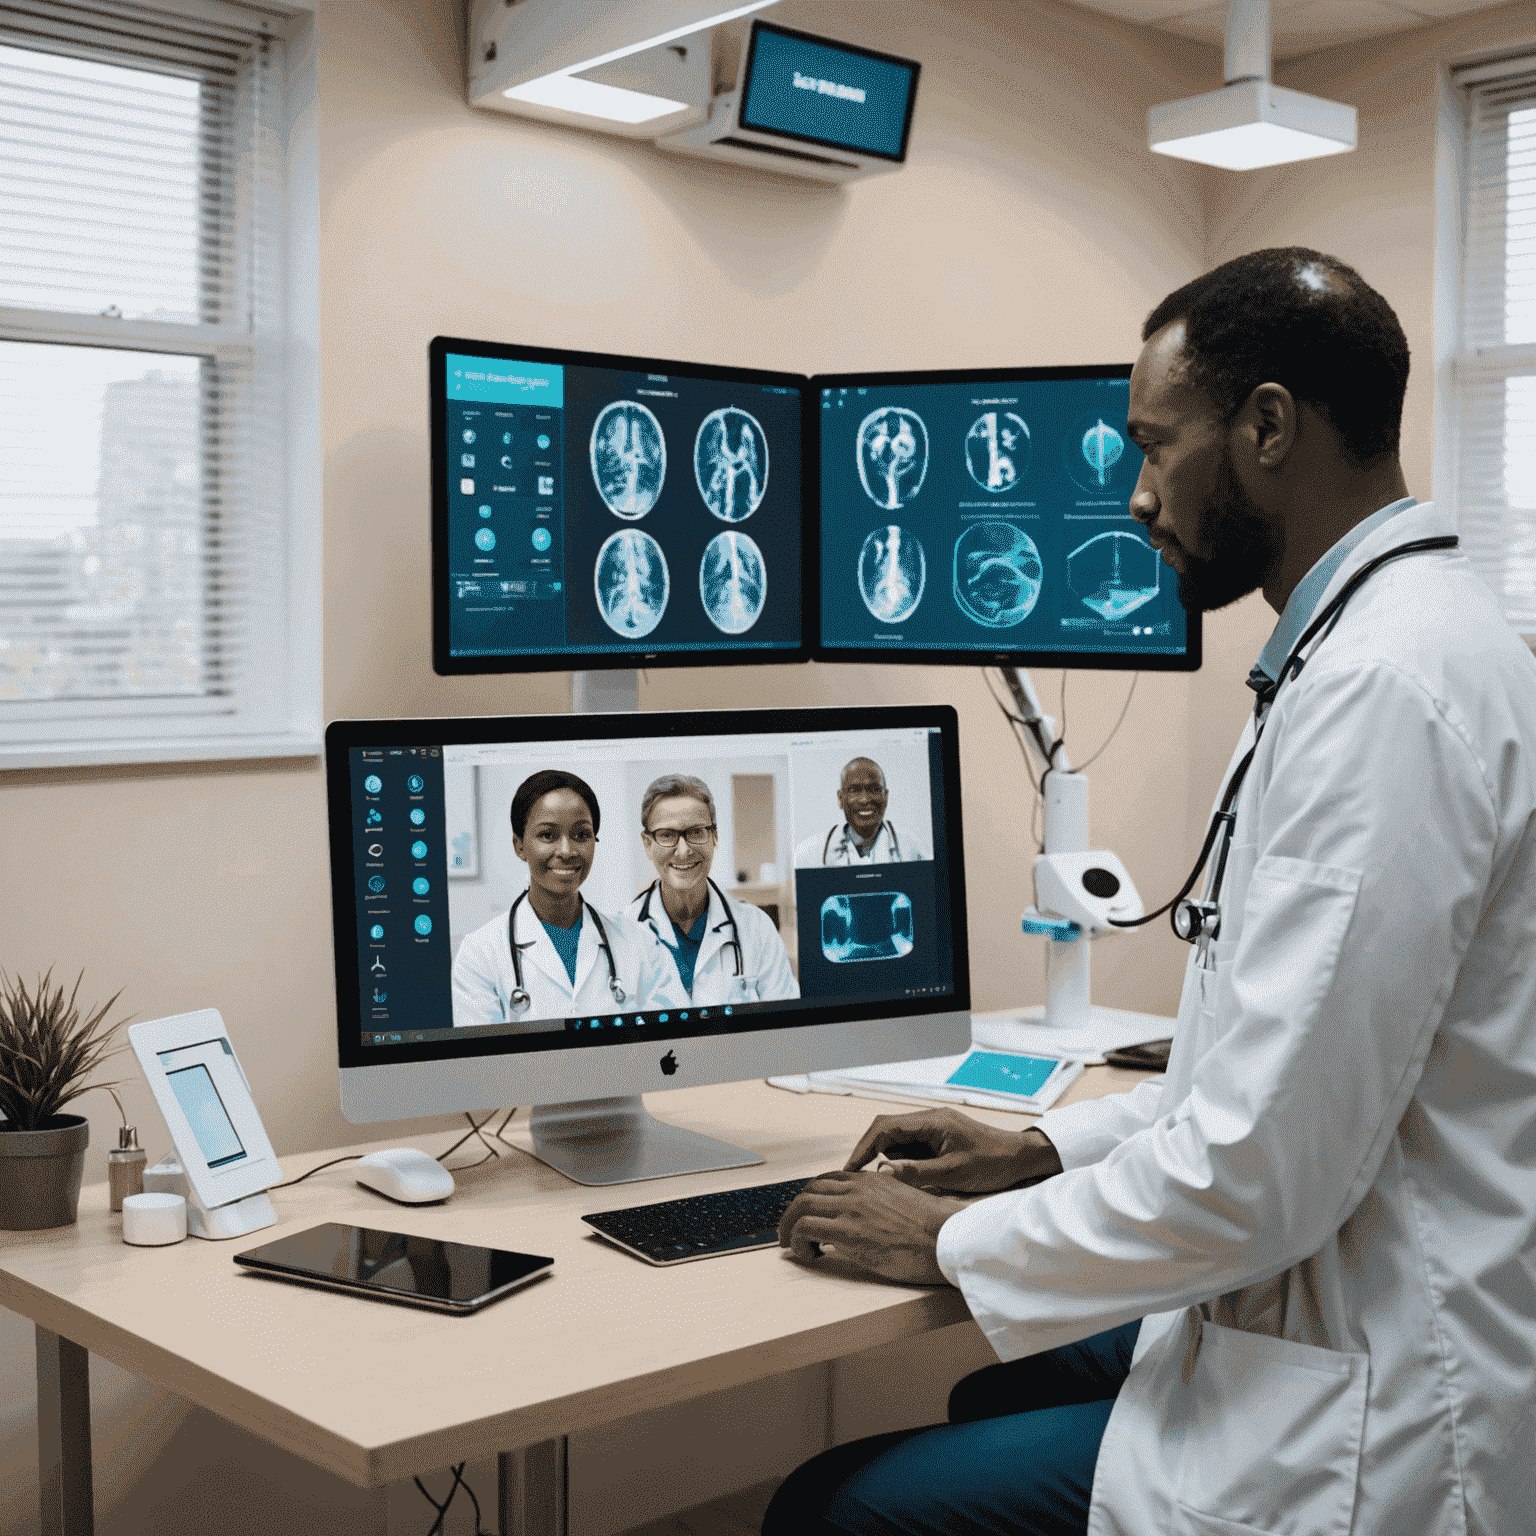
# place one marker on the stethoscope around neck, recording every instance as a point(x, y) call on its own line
point(848, 835)
point(520, 997)
point(1197, 921)
point(734, 942)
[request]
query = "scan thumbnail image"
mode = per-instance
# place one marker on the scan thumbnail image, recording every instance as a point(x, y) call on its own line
point(733, 582)
point(629, 458)
point(730, 463)
point(632, 583)
point(892, 573)
point(1095, 456)
point(997, 450)
point(867, 925)
point(893, 456)
point(998, 574)
point(1114, 574)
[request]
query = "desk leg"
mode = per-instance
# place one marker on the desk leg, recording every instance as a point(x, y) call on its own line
point(532, 1487)
point(64, 1436)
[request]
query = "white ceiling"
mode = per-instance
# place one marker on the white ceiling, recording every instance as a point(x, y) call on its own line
point(1300, 26)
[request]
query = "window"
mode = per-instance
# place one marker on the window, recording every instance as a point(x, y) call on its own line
point(146, 582)
point(1496, 368)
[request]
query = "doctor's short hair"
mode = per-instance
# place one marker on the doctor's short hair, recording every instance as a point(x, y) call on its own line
point(537, 785)
point(861, 758)
point(669, 786)
point(1294, 316)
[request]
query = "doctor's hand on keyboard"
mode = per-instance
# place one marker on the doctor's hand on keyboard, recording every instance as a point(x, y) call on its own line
point(942, 1149)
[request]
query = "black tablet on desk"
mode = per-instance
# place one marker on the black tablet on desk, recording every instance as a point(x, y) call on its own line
point(396, 1266)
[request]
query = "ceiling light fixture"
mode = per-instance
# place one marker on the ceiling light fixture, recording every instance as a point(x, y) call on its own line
point(618, 104)
point(1250, 122)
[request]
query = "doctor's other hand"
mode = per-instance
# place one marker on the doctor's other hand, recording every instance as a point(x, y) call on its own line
point(941, 1149)
point(872, 1220)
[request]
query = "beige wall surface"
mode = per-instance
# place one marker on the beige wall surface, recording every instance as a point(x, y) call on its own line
point(1030, 226)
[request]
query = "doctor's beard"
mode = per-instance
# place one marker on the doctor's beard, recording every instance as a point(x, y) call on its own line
point(1244, 547)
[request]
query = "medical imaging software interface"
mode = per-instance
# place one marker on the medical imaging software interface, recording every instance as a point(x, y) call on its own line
point(853, 921)
point(988, 516)
point(596, 510)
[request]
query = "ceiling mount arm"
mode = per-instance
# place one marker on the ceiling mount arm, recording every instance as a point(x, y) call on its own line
point(1248, 40)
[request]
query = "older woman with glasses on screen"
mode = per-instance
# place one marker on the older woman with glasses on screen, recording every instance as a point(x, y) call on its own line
point(724, 951)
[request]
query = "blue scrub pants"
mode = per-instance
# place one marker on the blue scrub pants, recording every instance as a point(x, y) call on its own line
point(1015, 1459)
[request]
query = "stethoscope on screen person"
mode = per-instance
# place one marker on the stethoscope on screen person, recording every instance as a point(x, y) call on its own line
point(734, 942)
point(1199, 922)
point(842, 847)
point(520, 997)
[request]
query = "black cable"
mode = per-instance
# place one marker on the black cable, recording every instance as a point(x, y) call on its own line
point(313, 1171)
point(1130, 694)
point(473, 1131)
point(442, 1509)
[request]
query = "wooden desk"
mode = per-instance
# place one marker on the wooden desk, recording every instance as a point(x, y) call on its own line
point(375, 1392)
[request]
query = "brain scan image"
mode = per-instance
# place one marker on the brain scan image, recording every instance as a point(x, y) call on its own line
point(1113, 574)
point(733, 583)
point(632, 583)
point(870, 925)
point(1094, 451)
point(629, 458)
point(892, 573)
point(997, 450)
point(730, 463)
point(893, 456)
point(998, 574)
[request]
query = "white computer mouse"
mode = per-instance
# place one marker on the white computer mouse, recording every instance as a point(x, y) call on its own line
point(405, 1174)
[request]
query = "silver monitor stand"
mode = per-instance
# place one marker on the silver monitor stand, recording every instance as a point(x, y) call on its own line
point(617, 1141)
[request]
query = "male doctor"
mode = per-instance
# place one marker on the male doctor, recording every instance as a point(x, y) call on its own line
point(721, 950)
point(1291, 1288)
point(864, 836)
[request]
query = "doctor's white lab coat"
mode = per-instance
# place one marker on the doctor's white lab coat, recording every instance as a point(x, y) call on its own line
point(1325, 1212)
point(765, 974)
point(484, 978)
point(837, 847)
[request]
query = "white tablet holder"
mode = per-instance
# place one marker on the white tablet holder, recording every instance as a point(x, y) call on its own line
point(223, 1162)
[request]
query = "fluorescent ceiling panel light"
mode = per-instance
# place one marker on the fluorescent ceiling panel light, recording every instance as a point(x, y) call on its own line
point(1251, 124)
point(561, 90)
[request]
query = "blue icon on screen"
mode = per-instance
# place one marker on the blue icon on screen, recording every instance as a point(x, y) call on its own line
point(597, 1023)
point(373, 783)
point(415, 783)
point(727, 1008)
point(619, 1019)
point(421, 886)
point(543, 440)
point(506, 437)
point(682, 1015)
point(376, 884)
point(541, 538)
point(374, 819)
point(377, 931)
point(418, 816)
point(423, 924)
point(418, 849)
point(662, 1018)
point(485, 539)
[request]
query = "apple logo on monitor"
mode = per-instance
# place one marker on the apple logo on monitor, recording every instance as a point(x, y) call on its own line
point(669, 1063)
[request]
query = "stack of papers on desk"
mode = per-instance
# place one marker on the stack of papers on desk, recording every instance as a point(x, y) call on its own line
point(983, 1079)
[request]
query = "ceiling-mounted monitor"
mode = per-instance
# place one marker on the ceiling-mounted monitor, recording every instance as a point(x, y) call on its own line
point(594, 511)
point(983, 517)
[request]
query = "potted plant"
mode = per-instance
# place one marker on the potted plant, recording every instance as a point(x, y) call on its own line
point(47, 1051)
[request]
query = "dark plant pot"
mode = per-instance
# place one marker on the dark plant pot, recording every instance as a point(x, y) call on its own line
point(40, 1173)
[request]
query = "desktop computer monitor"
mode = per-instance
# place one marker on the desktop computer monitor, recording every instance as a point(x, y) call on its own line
point(983, 517)
point(593, 511)
point(832, 839)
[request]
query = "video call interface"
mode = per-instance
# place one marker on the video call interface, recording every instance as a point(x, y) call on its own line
point(988, 516)
point(855, 913)
point(591, 510)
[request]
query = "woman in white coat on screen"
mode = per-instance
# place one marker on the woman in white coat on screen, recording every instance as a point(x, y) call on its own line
point(720, 950)
point(553, 956)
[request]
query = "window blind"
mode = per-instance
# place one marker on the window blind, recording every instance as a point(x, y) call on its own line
point(1496, 368)
point(142, 522)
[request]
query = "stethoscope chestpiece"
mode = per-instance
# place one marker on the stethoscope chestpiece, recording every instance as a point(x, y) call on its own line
point(1194, 920)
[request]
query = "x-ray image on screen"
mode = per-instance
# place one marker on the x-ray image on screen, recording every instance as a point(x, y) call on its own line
point(629, 458)
point(998, 574)
point(892, 573)
point(1114, 574)
point(893, 456)
point(730, 463)
point(632, 583)
point(1095, 456)
point(873, 925)
point(997, 450)
point(733, 582)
